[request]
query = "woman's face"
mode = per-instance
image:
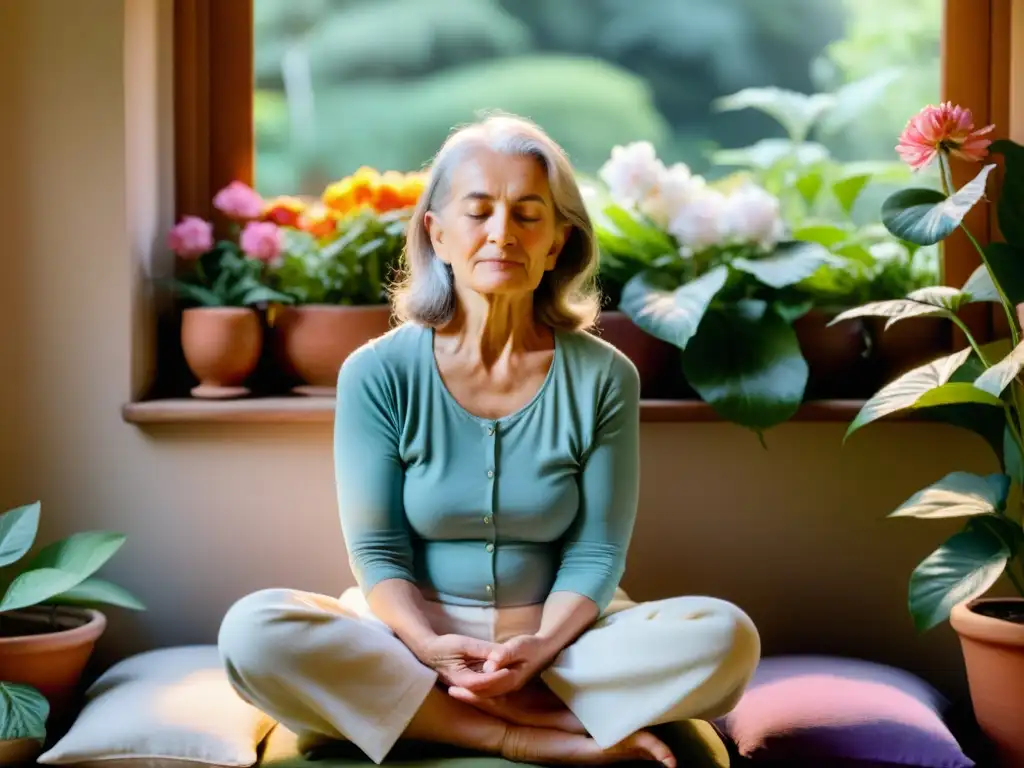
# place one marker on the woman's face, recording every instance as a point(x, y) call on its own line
point(498, 229)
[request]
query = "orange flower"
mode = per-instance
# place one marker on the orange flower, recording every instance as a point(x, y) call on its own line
point(412, 187)
point(945, 129)
point(285, 211)
point(318, 221)
point(352, 192)
point(390, 195)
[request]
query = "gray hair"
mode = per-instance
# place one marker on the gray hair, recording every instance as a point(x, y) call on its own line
point(567, 298)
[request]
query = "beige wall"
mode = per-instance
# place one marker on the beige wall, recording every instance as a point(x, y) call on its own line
point(796, 534)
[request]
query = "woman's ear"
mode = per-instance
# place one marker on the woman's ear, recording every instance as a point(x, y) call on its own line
point(562, 234)
point(432, 223)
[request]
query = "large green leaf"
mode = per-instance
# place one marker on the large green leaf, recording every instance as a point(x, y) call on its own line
point(980, 286)
point(18, 528)
point(672, 316)
point(745, 362)
point(23, 712)
point(926, 216)
point(61, 566)
point(998, 377)
point(98, 592)
point(788, 264)
point(922, 387)
point(1011, 195)
point(963, 568)
point(958, 494)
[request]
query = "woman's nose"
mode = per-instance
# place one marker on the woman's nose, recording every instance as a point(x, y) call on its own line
point(499, 231)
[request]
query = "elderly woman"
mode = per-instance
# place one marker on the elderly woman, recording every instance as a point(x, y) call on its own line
point(486, 457)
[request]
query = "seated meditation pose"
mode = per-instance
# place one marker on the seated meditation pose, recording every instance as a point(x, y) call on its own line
point(487, 469)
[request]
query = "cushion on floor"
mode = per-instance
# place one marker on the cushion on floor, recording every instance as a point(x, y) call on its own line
point(165, 708)
point(820, 711)
point(696, 744)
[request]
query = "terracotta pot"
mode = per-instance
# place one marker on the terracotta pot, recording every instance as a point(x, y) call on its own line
point(657, 362)
point(50, 660)
point(836, 356)
point(313, 340)
point(993, 651)
point(907, 344)
point(222, 348)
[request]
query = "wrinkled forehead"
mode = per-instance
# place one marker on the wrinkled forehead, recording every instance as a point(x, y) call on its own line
point(482, 172)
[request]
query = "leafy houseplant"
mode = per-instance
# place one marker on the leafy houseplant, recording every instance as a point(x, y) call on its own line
point(43, 601)
point(336, 266)
point(223, 280)
point(709, 268)
point(979, 388)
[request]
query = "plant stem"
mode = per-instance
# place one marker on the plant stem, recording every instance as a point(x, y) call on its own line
point(945, 174)
point(1008, 308)
point(970, 339)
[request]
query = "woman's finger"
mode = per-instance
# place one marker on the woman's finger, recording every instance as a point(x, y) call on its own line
point(477, 681)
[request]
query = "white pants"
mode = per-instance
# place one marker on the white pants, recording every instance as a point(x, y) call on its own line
point(327, 668)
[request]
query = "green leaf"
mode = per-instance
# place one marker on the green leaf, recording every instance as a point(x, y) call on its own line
point(848, 189)
point(958, 494)
point(61, 566)
point(998, 377)
point(809, 184)
point(98, 592)
point(766, 153)
point(633, 228)
point(18, 528)
point(920, 387)
point(963, 568)
point(1012, 460)
point(745, 362)
point(262, 294)
point(939, 300)
point(196, 293)
point(788, 264)
point(826, 234)
point(795, 112)
point(23, 712)
point(927, 216)
point(672, 316)
point(980, 286)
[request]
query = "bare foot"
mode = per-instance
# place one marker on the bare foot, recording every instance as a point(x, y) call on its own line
point(542, 745)
point(534, 705)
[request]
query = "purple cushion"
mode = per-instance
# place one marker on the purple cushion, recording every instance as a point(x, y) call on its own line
point(843, 712)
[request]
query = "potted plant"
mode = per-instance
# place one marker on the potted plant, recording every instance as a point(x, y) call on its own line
point(823, 201)
point(222, 282)
point(48, 624)
point(336, 268)
point(713, 269)
point(978, 387)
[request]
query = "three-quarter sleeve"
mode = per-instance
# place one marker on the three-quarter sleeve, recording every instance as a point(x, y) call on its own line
point(594, 552)
point(369, 473)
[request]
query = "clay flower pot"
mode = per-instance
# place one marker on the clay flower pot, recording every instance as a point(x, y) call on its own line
point(991, 634)
point(657, 362)
point(313, 340)
point(222, 347)
point(835, 355)
point(48, 649)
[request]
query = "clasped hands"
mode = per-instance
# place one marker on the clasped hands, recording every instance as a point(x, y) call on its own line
point(473, 669)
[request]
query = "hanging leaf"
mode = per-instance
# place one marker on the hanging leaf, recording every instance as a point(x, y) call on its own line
point(927, 216)
point(788, 264)
point(745, 362)
point(18, 528)
point(23, 712)
point(958, 494)
point(672, 316)
point(941, 301)
point(922, 387)
point(963, 568)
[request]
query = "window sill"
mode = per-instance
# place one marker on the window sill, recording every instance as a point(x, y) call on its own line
point(283, 410)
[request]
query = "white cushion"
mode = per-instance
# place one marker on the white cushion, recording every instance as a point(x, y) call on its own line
point(170, 706)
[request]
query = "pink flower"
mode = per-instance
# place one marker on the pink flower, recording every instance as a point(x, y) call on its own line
point(191, 237)
point(261, 240)
point(947, 129)
point(239, 201)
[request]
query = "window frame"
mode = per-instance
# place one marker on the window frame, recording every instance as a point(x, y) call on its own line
point(215, 141)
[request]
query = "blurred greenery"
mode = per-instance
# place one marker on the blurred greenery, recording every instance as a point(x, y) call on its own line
point(345, 83)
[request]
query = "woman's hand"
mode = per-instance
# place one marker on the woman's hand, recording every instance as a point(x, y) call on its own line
point(520, 658)
point(461, 662)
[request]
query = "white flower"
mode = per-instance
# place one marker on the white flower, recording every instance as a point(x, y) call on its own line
point(751, 215)
point(632, 171)
point(698, 224)
point(675, 187)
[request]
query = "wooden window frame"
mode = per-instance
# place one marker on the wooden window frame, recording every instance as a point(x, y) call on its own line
point(214, 135)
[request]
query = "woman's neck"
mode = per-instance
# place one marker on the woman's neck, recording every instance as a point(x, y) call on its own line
point(489, 329)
